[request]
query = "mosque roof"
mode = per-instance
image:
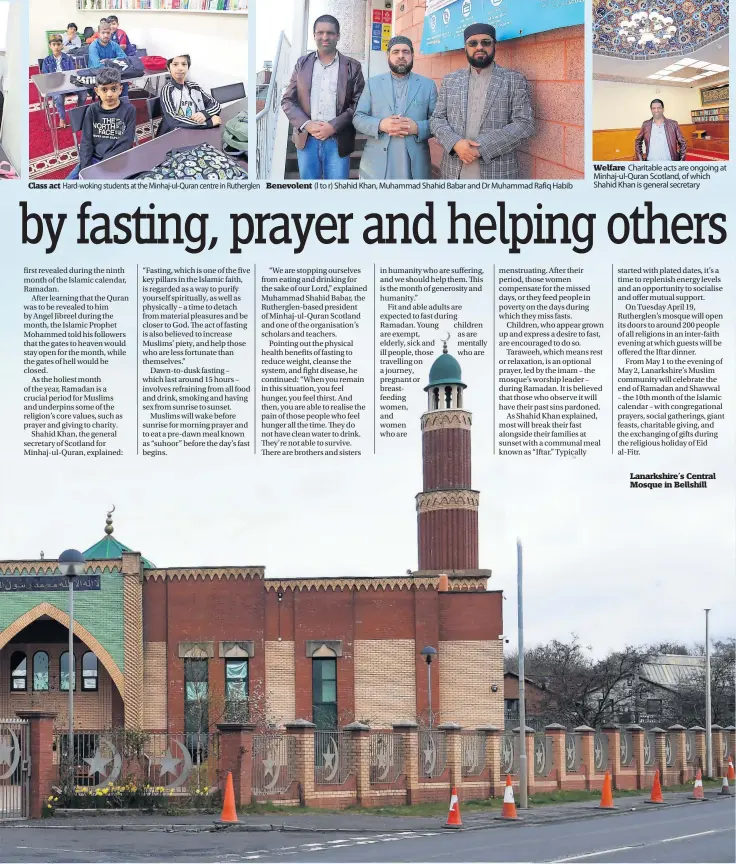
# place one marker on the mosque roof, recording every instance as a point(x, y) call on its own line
point(445, 370)
point(110, 548)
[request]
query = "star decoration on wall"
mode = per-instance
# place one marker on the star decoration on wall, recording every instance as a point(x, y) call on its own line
point(268, 767)
point(598, 753)
point(168, 764)
point(98, 763)
point(570, 753)
point(329, 756)
point(6, 752)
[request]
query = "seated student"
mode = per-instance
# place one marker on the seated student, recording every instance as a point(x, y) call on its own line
point(71, 39)
point(95, 35)
point(118, 35)
point(103, 48)
point(57, 61)
point(185, 104)
point(109, 125)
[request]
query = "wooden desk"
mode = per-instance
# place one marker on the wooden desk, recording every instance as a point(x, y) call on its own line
point(53, 83)
point(147, 156)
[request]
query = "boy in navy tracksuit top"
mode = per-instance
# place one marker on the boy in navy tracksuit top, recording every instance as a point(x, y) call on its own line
point(57, 61)
point(109, 125)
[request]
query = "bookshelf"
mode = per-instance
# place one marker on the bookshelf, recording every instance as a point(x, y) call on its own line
point(225, 7)
point(709, 115)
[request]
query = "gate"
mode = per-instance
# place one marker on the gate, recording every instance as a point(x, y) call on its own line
point(15, 764)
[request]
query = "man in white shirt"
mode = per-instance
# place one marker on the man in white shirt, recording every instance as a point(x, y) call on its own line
point(660, 139)
point(320, 102)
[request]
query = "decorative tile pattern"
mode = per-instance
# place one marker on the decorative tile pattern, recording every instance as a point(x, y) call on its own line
point(698, 23)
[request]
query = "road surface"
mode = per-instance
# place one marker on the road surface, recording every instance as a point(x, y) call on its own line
point(691, 833)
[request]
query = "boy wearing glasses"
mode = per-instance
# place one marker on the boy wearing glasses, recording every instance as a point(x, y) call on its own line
point(483, 114)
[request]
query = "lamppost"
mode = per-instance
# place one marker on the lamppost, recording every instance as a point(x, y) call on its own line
point(71, 564)
point(428, 652)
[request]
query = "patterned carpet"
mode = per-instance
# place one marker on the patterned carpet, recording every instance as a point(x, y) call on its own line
point(44, 164)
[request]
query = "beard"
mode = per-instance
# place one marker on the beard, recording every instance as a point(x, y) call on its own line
point(401, 68)
point(477, 62)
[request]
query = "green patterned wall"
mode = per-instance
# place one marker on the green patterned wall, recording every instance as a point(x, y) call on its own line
point(101, 612)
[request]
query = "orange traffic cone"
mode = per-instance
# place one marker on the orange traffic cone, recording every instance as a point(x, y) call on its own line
point(656, 796)
point(607, 794)
point(725, 789)
point(731, 775)
point(453, 817)
point(228, 805)
point(698, 794)
point(509, 807)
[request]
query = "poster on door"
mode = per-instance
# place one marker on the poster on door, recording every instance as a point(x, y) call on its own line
point(445, 20)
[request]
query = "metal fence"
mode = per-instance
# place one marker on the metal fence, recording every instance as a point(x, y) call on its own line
point(274, 764)
point(543, 756)
point(626, 749)
point(509, 754)
point(267, 118)
point(670, 749)
point(386, 751)
point(691, 749)
point(432, 753)
point(473, 754)
point(600, 751)
point(333, 757)
point(180, 763)
point(14, 768)
point(650, 748)
point(573, 752)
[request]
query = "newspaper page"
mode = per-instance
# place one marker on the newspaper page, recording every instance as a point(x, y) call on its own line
point(327, 325)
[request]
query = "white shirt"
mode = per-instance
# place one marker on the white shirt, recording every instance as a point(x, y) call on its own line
point(323, 95)
point(659, 150)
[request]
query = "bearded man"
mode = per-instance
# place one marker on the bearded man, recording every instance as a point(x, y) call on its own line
point(393, 112)
point(483, 114)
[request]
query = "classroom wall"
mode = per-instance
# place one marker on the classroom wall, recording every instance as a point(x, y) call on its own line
point(16, 93)
point(624, 106)
point(217, 43)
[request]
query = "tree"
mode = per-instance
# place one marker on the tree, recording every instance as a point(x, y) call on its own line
point(578, 689)
point(686, 705)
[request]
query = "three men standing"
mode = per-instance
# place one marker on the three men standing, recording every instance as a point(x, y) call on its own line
point(320, 102)
point(393, 112)
point(483, 114)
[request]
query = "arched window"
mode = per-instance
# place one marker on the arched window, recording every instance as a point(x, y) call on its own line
point(89, 671)
point(18, 671)
point(436, 398)
point(64, 671)
point(40, 671)
point(448, 397)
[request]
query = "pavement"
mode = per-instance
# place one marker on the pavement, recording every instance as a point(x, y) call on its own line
point(679, 832)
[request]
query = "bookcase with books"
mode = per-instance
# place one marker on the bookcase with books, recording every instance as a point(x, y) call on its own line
point(709, 115)
point(211, 6)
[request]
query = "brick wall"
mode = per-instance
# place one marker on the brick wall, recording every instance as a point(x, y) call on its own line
point(468, 670)
point(280, 682)
point(553, 63)
point(385, 681)
point(154, 686)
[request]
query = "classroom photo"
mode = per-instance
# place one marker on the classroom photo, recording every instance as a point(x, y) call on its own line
point(138, 90)
point(10, 109)
point(660, 81)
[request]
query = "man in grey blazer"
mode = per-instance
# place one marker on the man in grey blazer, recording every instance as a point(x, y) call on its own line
point(483, 114)
point(394, 111)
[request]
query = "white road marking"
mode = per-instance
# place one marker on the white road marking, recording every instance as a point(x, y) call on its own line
point(640, 845)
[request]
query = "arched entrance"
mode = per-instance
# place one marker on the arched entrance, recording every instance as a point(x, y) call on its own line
point(35, 671)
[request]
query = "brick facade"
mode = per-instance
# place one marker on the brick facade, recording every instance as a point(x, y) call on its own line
point(553, 63)
point(146, 622)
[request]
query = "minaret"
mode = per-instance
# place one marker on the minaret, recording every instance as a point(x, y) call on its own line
point(447, 509)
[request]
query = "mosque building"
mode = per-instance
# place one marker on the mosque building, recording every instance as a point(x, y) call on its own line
point(178, 648)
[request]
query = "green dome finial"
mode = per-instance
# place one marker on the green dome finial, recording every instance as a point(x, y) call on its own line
point(445, 369)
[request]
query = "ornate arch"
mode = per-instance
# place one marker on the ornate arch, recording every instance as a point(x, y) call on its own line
point(80, 630)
